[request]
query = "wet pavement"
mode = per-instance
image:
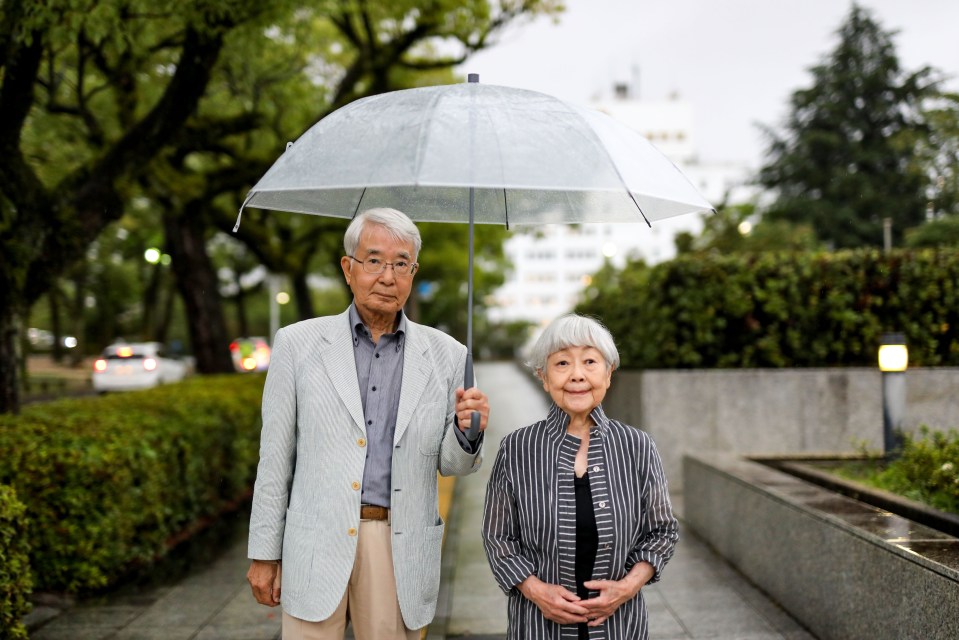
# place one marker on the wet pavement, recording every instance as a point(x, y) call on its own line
point(700, 595)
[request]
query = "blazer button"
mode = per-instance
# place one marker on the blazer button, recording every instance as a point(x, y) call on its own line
point(351, 531)
point(361, 442)
point(356, 486)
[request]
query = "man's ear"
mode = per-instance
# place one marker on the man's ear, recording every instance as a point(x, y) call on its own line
point(345, 263)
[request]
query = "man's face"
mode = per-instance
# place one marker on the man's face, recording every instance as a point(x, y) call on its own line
point(378, 296)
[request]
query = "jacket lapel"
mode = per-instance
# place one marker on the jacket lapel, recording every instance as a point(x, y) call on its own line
point(340, 363)
point(416, 375)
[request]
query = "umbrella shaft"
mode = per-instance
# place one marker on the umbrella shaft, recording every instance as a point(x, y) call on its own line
point(469, 286)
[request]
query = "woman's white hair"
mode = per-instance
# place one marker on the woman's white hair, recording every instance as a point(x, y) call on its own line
point(573, 330)
point(397, 225)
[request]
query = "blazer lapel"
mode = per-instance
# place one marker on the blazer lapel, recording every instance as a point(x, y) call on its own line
point(340, 363)
point(416, 375)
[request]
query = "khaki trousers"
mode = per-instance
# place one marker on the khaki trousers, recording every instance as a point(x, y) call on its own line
point(370, 601)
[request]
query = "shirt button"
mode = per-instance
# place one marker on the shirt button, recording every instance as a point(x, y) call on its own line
point(602, 505)
point(374, 388)
point(356, 485)
point(596, 469)
point(351, 531)
point(361, 442)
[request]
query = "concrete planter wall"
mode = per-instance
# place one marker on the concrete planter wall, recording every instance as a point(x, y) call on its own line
point(757, 411)
point(843, 569)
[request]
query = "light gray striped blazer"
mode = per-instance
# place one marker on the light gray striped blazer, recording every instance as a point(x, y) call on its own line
point(529, 520)
point(305, 509)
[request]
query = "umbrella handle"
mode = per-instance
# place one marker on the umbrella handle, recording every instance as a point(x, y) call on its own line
point(473, 432)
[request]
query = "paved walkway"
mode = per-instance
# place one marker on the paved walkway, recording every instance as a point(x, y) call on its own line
point(700, 596)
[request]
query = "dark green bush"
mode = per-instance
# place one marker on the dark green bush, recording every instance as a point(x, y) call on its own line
point(15, 581)
point(110, 482)
point(781, 309)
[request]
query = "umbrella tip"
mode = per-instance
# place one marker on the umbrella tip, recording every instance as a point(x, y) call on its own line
point(472, 77)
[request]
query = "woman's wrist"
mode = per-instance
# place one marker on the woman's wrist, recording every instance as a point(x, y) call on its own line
point(527, 585)
point(639, 576)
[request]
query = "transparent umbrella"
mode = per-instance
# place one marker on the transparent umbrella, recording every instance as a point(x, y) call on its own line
point(476, 153)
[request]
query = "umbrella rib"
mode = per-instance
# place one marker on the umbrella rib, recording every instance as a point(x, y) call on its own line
point(358, 202)
point(633, 198)
point(506, 209)
point(612, 163)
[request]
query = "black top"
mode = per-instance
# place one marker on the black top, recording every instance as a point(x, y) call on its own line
point(587, 541)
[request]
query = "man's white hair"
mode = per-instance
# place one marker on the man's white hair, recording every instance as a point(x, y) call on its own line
point(573, 330)
point(397, 225)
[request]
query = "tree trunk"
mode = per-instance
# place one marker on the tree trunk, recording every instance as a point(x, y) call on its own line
point(151, 303)
point(304, 299)
point(79, 277)
point(53, 298)
point(197, 283)
point(9, 384)
point(168, 291)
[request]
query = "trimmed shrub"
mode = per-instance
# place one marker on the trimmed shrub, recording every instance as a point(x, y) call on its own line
point(926, 469)
point(781, 309)
point(15, 581)
point(110, 483)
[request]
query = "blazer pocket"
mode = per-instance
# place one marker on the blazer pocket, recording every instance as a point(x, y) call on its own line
point(299, 541)
point(422, 552)
point(428, 425)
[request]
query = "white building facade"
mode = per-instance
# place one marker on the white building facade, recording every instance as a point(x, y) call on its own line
point(552, 264)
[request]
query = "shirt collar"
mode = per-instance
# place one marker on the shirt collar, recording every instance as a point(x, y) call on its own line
point(557, 420)
point(359, 329)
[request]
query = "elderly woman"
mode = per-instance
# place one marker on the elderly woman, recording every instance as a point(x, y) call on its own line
point(577, 516)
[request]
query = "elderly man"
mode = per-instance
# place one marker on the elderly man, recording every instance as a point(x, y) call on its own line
point(360, 410)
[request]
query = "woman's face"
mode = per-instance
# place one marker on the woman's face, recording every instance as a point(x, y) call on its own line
point(577, 379)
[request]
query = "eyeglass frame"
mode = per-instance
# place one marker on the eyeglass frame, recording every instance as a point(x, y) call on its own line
point(414, 267)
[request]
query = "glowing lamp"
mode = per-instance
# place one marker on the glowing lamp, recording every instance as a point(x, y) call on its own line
point(893, 353)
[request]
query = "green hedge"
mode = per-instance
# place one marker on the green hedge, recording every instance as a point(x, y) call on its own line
point(781, 310)
point(15, 581)
point(110, 482)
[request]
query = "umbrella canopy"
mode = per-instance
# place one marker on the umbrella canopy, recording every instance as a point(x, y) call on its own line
point(475, 153)
point(529, 157)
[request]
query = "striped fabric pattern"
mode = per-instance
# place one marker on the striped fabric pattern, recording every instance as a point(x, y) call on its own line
point(529, 523)
point(306, 500)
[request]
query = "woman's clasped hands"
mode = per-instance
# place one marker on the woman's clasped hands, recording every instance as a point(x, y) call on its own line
point(561, 605)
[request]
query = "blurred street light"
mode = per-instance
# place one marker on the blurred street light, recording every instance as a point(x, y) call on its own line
point(893, 362)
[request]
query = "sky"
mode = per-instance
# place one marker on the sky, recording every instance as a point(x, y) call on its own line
point(736, 61)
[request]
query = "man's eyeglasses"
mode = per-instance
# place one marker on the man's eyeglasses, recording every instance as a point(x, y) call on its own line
point(375, 265)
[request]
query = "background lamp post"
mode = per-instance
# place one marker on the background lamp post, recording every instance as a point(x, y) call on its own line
point(893, 361)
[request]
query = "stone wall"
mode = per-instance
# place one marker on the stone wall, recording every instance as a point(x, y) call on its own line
point(773, 411)
point(840, 567)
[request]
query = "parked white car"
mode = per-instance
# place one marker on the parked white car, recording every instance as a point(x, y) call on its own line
point(136, 365)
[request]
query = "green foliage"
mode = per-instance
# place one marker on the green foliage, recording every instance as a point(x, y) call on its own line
point(443, 273)
point(942, 232)
point(110, 482)
point(856, 147)
point(734, 229)
point(15, 579)
point(926, 471)
point(780, 309)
